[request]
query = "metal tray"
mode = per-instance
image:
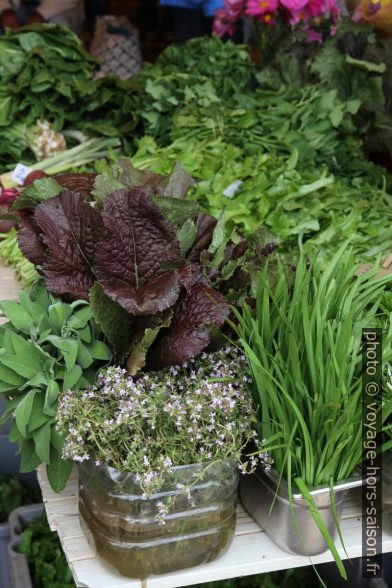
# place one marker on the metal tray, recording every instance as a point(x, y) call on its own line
point(5, 578)
point(259, 493)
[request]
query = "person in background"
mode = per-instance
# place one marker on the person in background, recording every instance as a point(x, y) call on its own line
point(192, 18)
point(16, 13)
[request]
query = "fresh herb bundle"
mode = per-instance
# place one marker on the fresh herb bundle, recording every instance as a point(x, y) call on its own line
point(303, 343)
point(355, 63)
point(198, 412)
point(46, 347)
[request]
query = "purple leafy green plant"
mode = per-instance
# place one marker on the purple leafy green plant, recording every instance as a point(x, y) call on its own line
point(153, 266)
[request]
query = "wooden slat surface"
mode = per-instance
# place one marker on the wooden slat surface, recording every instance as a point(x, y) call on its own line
point(9, 285)
point(251, 552)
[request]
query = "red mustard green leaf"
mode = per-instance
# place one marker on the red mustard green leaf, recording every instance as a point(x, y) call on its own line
point(82, 183)
point(196, 314)
point(30, 242)
point(176, 184)
point(71, 229)
point(132, 259)
point(205, 226)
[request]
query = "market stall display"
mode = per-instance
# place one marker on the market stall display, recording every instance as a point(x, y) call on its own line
point(251, 212)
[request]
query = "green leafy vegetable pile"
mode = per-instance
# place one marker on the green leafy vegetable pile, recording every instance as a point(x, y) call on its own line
point(42, 548)
point(46, 75)
point(195, 74)
point(356, 64)
point(287, 155)
point(11, 255)
point(13, 493)
point(292, 200)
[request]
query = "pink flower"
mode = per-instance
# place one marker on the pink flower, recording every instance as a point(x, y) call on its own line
point(223, 24)
point(301, 15)
point(233, 8)
point(261, 7)
point(313, 36)
point(294, 6)
point(316, 7)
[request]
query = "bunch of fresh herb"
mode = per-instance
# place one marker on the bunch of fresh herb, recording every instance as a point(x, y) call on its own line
point(47, 346)
point(355, 63)
point(45, 557)
point(303, 344)
point(310, 120)
point(190, 414)
point(194, 73)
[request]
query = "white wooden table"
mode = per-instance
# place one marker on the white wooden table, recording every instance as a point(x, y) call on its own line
point(251, 552)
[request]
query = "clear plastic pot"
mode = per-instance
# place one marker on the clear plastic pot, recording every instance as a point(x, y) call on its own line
point(197, 528)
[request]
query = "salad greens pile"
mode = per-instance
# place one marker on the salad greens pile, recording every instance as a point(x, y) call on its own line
point(287, 154)
point(47, 562)
point(313, 203)
point(355, 63)
point(45, 74)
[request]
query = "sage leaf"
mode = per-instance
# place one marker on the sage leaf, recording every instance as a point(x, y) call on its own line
point(99, 350)
point(59, 470)
point(71, 377)
point(23, 411)
point(29, 458)
point(16, 315)
point(42, 441)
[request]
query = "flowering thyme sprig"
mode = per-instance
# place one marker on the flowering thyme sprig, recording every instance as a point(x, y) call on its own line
point(196, 413)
